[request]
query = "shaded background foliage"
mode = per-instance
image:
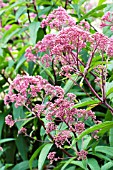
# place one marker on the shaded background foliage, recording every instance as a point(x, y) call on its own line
point(20, 28)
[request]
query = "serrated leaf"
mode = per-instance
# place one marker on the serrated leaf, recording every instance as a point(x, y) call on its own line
point(43, 155)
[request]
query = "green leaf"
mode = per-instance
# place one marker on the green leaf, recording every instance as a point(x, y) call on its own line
point(93, 164)
point(89, 102)
point(92, 11)
point(101, 156)
point(33, 28)
point(47, 71)
point(105, 149)
point(76, 8)
point(67, 163)
point(20, 11)
point(107, 166)
point(11, 6)
point(2, 116)
point(81, 2)
point(79, 163)
point(110, 65)
point(22, 146)
point(18, 113)
point(109, 90)
point(101, 2)
point(6, 140)
point(10, 33)
point(103, 125)
point(43, 155)
point(21, 166)
point(21, 60)
point(69, 84)
point(111, 137)
point(35, 154)
point(30, 68)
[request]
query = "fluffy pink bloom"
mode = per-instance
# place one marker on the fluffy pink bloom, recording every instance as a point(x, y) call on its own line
point(51, 157)
point(61, 138)
point(9, 121)
point(110, 47)
point(50, 126)
point(107, 20)
point(100, 41)
point(38, 109)
point(82, 155)
point(29, 55)
point(79, 127)
point(58, 19)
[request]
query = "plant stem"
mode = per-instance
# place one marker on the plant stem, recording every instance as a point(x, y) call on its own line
point(66, 3)
point(28, 13)
point(103, 81)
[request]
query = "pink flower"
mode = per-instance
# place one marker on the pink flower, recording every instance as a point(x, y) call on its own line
point(7, 27)
point(22, 131)
point(1, 149)
point(50, 127)
point(61, 138)
point(79, 127)
point(9, 121)
point(82, 155)
point(58, 19)
point(33, 15)
point(51, 157)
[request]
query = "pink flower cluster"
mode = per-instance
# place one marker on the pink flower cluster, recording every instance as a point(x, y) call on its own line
point(51, 157)
point(9, 121)
point(58, 19)
point(61, 138)
point(65, 47)
point(107, 20)
point(82, 155)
